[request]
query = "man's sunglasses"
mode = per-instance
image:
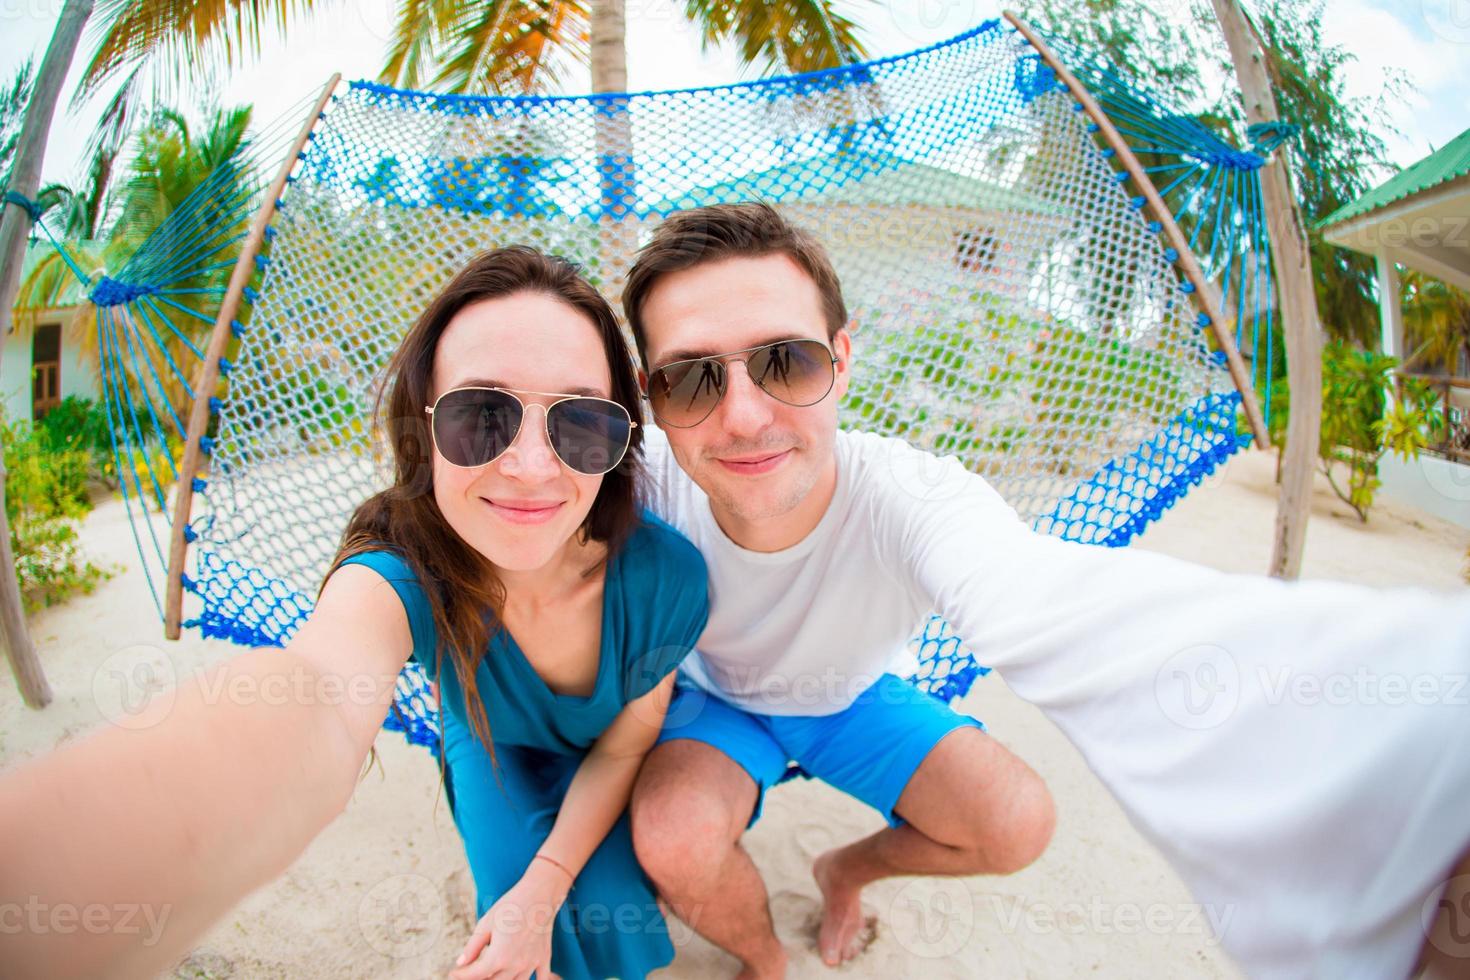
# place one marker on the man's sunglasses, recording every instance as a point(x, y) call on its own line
point(475, 426)
point(797, 372)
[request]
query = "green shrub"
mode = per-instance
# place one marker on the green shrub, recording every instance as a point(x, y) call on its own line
point(1358, 424)
point(45, 499)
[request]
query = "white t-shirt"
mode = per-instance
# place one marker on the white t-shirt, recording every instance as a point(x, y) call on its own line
point(1299, 752)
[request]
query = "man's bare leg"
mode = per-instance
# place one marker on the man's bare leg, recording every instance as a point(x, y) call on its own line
point(972, 807)
point(690, 805)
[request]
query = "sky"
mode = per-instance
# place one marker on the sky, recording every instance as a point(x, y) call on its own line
point(1427, 39)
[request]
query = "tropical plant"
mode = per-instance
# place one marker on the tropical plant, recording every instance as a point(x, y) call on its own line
point(13, 99)
point(45, 498)
point(1360, 424)
point(497, 46)
point(1436, 324)
point(171, 160)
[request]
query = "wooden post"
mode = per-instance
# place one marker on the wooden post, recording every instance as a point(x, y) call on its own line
point(208, 377)
point(15, 224)
point(1204, 293)
point(1298, 298)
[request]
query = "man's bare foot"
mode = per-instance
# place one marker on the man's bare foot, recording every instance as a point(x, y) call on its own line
point(845, 931)
point(773, 968)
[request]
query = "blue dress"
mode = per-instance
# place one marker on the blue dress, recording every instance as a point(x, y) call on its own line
point(655, 604)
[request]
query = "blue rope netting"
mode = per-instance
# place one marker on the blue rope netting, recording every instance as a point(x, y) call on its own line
point(1016, 307)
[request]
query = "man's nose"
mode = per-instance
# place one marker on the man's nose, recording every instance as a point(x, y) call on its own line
point(745, 409)
point(530, 457)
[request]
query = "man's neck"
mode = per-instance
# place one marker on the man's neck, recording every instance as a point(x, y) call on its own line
point(783, 531)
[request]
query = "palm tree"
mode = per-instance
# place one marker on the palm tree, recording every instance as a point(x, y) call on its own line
point(169, 164)
point(490, 47)
point(1437, 321)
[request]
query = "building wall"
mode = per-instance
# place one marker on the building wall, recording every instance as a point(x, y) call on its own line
point(77, 376)
point(15, 375)
point(1430, 483)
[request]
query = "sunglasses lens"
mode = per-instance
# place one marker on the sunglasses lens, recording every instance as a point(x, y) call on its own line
point(473, 426)
point(590, 435)
point(684, 393)
point(797, 372)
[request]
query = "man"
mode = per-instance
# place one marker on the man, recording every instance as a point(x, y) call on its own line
point(1320, 831)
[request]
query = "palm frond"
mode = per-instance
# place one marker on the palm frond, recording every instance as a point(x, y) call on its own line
point(13, 100)
point(510, 46)
point(780, 35)
point(418, 33)
point(180, 34)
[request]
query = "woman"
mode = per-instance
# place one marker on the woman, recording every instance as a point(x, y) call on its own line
point(511, 559)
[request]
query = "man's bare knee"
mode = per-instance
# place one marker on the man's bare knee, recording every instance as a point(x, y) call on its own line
point(1029, 829)
point(688, 809)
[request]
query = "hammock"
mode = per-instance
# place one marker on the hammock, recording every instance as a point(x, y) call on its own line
point(1052, 272)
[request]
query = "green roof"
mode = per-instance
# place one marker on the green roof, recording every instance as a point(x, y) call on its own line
point(1451, 162)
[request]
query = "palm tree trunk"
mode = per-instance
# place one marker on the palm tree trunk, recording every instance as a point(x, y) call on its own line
point(14, 228)
point(614, 138)
point(1298, 299)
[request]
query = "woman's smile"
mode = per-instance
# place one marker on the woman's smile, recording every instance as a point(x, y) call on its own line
point(516, 511)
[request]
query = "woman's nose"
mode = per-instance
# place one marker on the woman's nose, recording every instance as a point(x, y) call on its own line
point(530, 457)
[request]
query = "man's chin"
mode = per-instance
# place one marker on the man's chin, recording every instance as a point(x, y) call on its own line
point(752, 501)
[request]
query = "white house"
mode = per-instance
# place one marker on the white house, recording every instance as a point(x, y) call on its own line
point(40, 365)
point(1420, 220)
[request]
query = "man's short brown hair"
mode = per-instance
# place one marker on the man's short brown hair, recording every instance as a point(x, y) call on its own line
point(725, 231)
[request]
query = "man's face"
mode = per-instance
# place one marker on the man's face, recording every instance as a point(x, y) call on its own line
point(757, 458)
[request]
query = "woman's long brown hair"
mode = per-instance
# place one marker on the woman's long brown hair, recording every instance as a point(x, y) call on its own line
point(465, 596)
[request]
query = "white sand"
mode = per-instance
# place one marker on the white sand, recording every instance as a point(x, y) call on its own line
point(384, 891)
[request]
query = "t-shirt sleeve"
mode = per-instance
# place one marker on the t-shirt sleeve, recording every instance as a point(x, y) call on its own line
point(1238, 719)
point(675, 607)
point(410, 592)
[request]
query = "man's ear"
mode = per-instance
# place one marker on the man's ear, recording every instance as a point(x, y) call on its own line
point(643, 382)
point(842, 349)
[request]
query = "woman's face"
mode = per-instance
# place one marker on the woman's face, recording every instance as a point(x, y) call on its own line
point(521, 509)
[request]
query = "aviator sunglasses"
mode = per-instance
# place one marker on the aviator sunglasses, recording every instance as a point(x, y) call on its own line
point(474, 426)
point(796, 372)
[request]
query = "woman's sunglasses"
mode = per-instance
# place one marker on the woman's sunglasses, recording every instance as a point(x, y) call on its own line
point(475, 426)
point(797, 372)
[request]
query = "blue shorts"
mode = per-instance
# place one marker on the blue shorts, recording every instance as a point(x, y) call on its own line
point(869, 750)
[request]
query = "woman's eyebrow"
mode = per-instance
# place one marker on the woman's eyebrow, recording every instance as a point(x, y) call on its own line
point(492, 383)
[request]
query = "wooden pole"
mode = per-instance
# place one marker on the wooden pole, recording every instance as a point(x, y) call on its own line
point(1298, 298)
point(1204, 295)
point(208, 377)
point(15, 224)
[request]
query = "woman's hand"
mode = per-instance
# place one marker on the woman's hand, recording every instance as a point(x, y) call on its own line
point(513, 940)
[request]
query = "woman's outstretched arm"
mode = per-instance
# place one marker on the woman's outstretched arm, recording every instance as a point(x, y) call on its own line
point(119, 850)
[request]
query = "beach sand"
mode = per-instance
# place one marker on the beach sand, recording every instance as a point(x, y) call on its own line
point(384, 891)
